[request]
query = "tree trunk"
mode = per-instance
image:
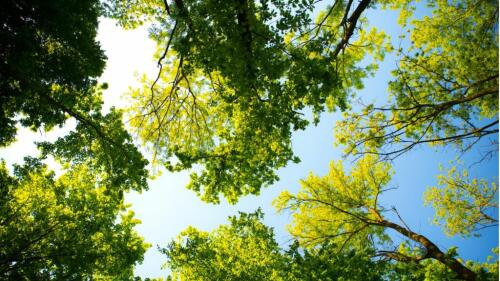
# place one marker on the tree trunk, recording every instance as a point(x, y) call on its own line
point(433, 251)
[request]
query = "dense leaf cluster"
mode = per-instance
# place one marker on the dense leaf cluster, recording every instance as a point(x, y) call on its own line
point(236, 79)
point(246, 249)
point(74, 226)
point(49, 61)
point(445, 87)
point(64, 228)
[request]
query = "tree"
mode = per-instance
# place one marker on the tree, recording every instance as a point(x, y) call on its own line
point(76, 226)
point(102, 143)
point(243, 250)
point(49, 62)
point(445, 88)
point(463, 205)
point(430, 269)
point(326, 263)
point(344, 208)
point(235, 80)
point(71, 227)
point(246, 250)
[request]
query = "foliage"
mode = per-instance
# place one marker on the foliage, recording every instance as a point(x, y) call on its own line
point(246, 250)
point(327, 208)
point(433, 270)
point(101, 143)
point(49, 60)
point(75, 226)
point(235, 80)
point(487, 270)
point(243, 250)
point(342, 231)
point(71, 227)
point(50, 72)
point(445, 88)
point(344, 208)
point(327, 264)
point(463, 205)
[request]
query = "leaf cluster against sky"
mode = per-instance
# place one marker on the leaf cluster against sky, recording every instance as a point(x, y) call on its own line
point(235, 84)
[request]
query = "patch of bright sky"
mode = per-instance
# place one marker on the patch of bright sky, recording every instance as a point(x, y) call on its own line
point(168, 208)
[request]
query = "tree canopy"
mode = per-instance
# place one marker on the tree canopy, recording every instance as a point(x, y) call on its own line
point(237, 78)
point(74, 226)
point(344, 208)
point(463, 205)
point(253, 70)
point(445, 87)
point(247, 250)
point(49, 62)
point(66, 227)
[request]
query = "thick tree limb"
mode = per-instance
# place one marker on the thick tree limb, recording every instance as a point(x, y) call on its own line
point(350, 25)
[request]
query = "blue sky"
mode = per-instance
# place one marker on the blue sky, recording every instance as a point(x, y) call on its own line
point(168, 208)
